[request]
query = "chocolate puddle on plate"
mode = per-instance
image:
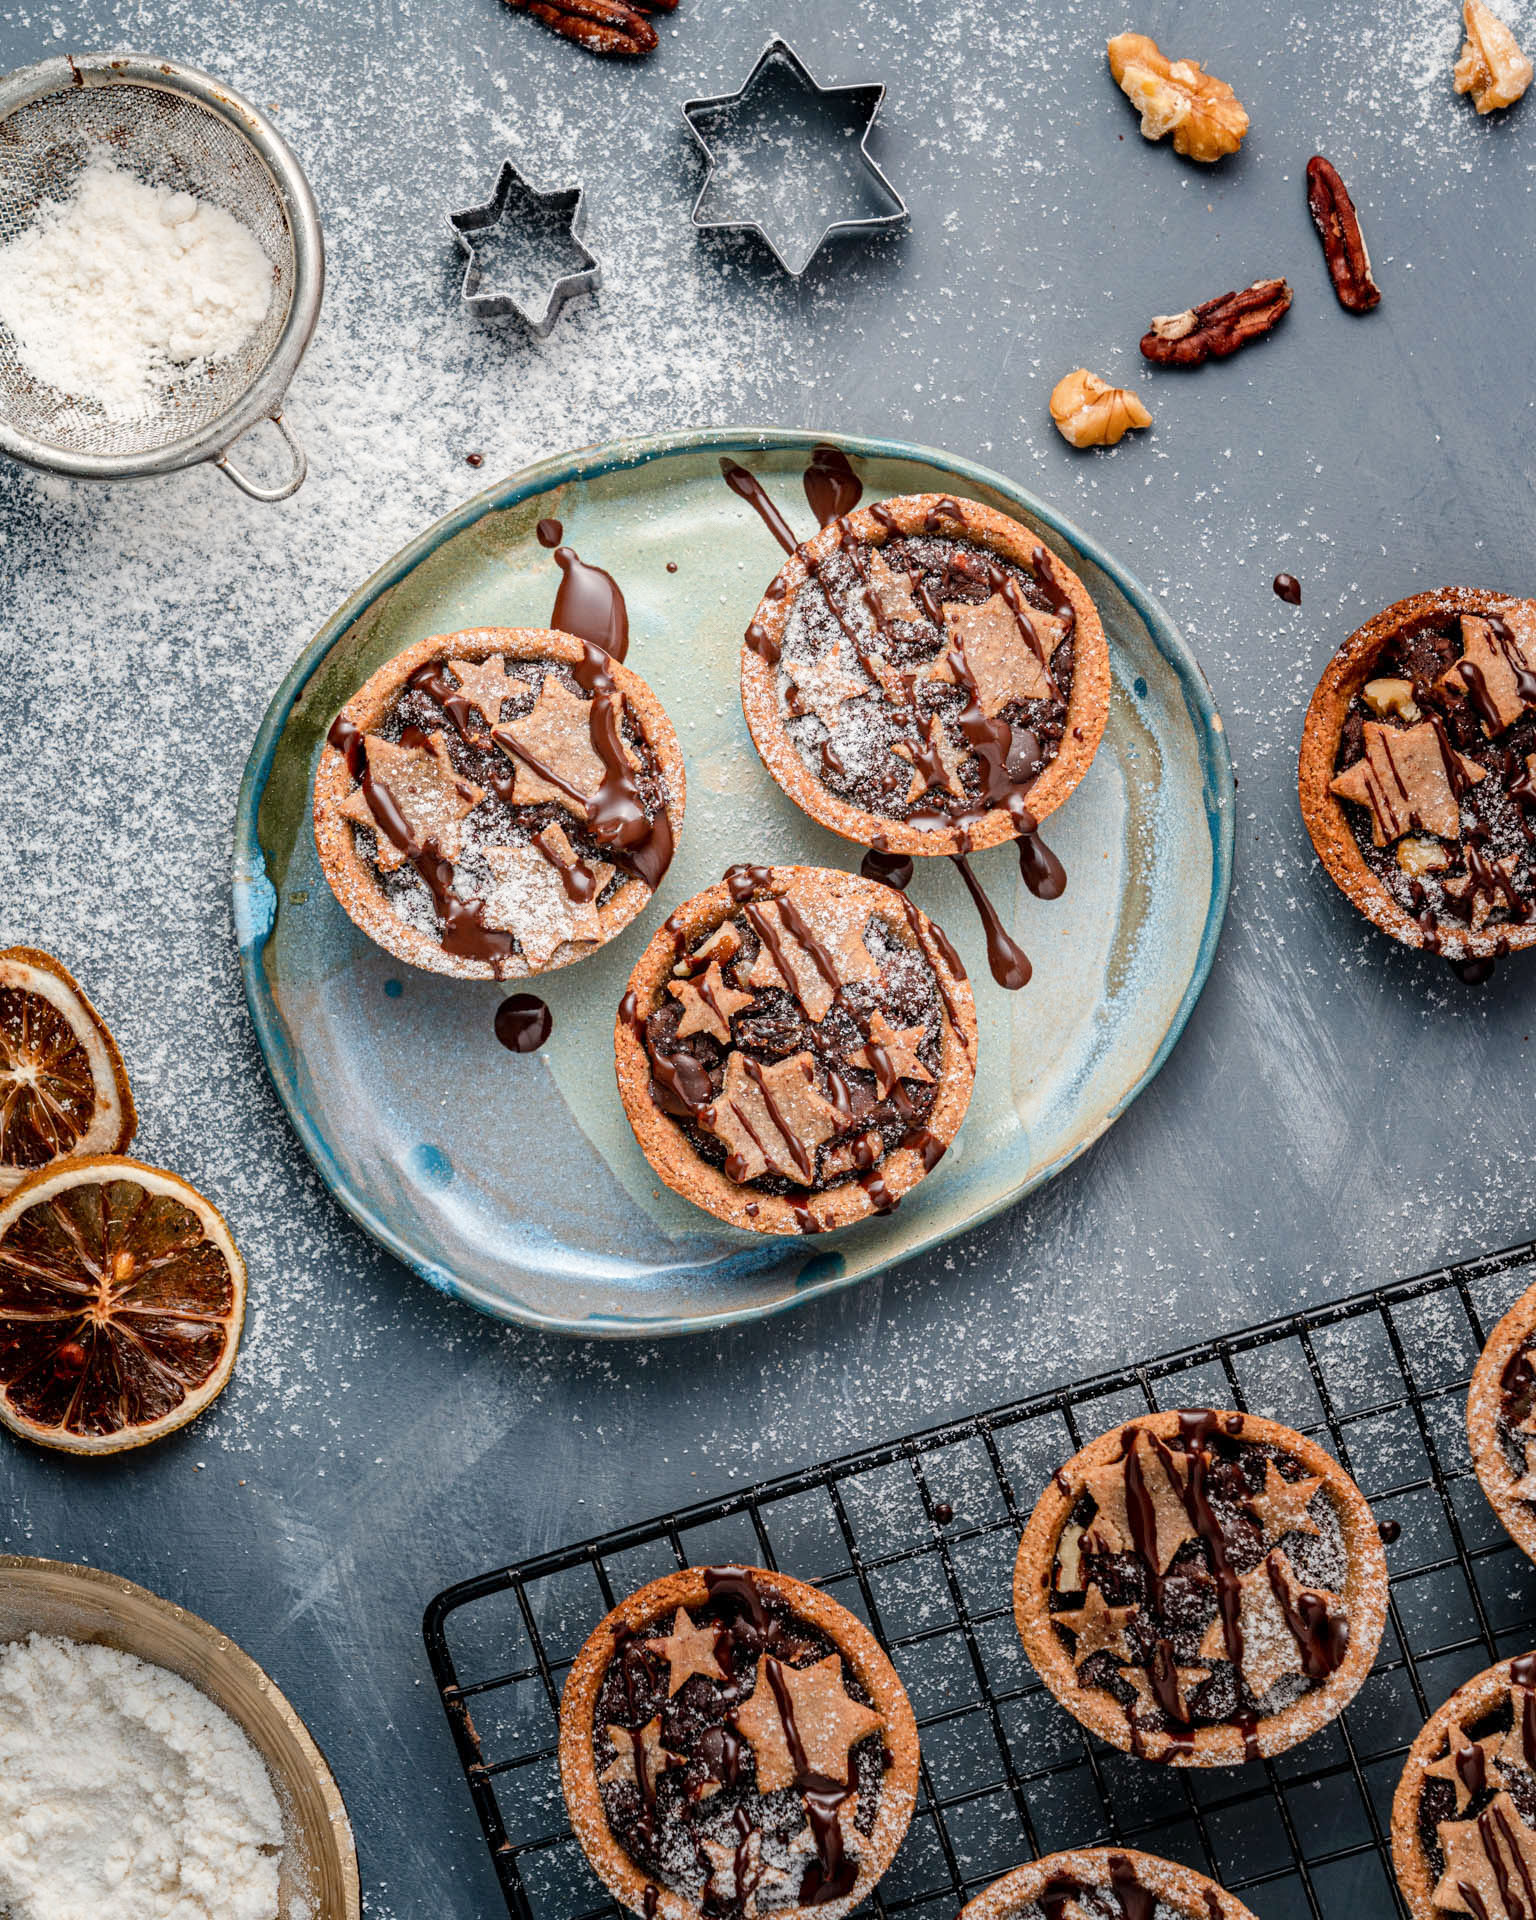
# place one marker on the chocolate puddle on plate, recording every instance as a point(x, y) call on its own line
point(832, 491)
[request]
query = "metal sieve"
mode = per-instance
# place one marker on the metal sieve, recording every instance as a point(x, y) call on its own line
point(171, 126)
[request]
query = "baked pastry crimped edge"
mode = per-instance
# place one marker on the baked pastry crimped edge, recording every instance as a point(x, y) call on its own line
point(666, 1146)
point(1178, 1887)
point(1087, 706)
point(1323, 811)
point(1494, 1475)
point(1365, 1600)
point(1479, 1695)
point(660, 1599)
point(352, 879)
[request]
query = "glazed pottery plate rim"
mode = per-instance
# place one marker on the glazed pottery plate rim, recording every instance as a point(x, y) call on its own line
point(254, 899)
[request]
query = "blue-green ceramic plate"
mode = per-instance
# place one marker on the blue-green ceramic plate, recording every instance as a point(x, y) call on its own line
point(513, 1181)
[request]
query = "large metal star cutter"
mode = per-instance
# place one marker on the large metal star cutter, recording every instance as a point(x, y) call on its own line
point(516, 200)
point(780, 151)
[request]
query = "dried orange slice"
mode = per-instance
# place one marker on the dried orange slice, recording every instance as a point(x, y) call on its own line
point(122, 1297)
point(62, 1084)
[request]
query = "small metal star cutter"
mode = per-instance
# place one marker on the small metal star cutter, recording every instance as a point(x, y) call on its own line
point(476, 221)
point(862, 104)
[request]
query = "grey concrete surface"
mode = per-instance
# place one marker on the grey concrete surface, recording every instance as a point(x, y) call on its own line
point(1337, 1112)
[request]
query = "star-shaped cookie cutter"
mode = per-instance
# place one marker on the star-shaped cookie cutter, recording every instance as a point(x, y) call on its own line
point(475, 221)
point(862, 105)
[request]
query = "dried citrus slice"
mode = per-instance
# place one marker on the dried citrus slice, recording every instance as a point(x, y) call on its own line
point(122, 1297)
point(62, 1084)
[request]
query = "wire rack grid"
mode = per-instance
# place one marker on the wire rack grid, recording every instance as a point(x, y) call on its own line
point(918, 1537)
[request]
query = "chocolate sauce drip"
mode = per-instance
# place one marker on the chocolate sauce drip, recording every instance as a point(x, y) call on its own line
point(1042, 872)
point(943, 1512)
point(1196, 1427)
point(1389, 1531)
point(589, 604)
point(1288, 587)
point(720, 1748)
point(880, 1196)
point(832, 488)
point(679, 1084)
point(650, 1900)
point(1136, 1903)
point(831, 1874)
point(1475, 972)
point(1488, 708)
point(744, 880)
point(890, 869)
point(920, 1140)
point(1321, 1637)
point(762, 643)
point(549, 533)
point(432, 681)
point(523, 1023)
point(748, 487)
point(1007, 959)
point(737, 1584)
point(1504, 639)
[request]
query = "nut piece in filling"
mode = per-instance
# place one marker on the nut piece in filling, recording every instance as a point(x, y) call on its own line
point(498, 803)
point(1104, 1883)
point(1416, 771)
point(1464, 1814)
point(1202, 1588)
point(1501, 1421)
point(734, 1743)
point(796, 1049)
point(924, 676)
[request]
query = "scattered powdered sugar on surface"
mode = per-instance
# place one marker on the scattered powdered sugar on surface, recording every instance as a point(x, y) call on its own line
point(1337, 1110)
point(125, 1791)
point(122, 287)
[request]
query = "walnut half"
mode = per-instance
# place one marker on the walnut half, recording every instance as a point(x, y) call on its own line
point(1091, 413)
point(1204, 115)
point(1491, 68)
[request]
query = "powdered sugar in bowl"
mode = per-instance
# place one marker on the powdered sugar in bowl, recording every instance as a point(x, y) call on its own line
point(200, 210)
point(317, 1877)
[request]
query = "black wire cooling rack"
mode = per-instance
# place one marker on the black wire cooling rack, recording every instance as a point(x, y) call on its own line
point(918, 1538)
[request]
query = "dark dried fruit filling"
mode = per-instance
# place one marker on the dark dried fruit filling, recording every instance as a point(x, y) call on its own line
point(1434, 768)
point(926, 678)
point(739, 1757)
point(799, 1042)
point(1198, 1579)
point(1477, 1807)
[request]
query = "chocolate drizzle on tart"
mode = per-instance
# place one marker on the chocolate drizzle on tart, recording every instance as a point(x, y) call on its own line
point(500, 802)
point(800, 1037)
point(741, 1758)
point(1464, 1815)
point(1200, 1579)
point(1501, 1421)
point(1423, 733)
point(1103, 1883)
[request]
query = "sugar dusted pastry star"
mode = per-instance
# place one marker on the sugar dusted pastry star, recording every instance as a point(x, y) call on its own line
point(1163, 1475)
point(487, 686)
point(1281, 1507)
point(771, 1117)
point(708, 1004)
point(641, 1758)
point(828, 1723)
point(1469, 1765)
point(782, 960)
point(553, 751)
point(532, 897)
point(431, 797)
point(1099, 1628)
point(999, 656)
point(891, 1055)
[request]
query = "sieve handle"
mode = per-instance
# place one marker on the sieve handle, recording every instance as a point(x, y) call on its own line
point(246, 484)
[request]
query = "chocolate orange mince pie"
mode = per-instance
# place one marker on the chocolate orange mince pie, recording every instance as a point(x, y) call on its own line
point(1501, 1422)
point(498, 803)
point(796, 1049)
point(734, 1744)
point(925, 676)
point(1417, 764)
point(1104, 1883)
point(1464, 1814)
point(1202, 1588)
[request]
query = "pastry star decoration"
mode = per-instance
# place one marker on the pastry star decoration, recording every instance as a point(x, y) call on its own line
point(764, 1125)
point(1184, 1679)
point(486, 685)
point(1270, 1651)
point(935, 763)
point(1481, 649)
point(1468, 1764)
point(688, 1649)
point(1282, 1506)
point(1403, 780)
point(998, 655)
point(892, 591)
point(1164, 1475)
point(1489, 1860)
point(1522, 1702)
point(530, 899)
point(1099, 1628)
point(723, 1858)
point(642, 1745)
point(557, 734)
point(431, 797)
point(823, 685)
point(828, 1722)
point(1479, 902)
point(900, 1050)
point(707, 1004)
point(842, 939)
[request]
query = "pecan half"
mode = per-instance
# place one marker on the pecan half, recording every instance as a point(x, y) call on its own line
point(1219, 327)
point(1338, 226)
point(601, 26)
